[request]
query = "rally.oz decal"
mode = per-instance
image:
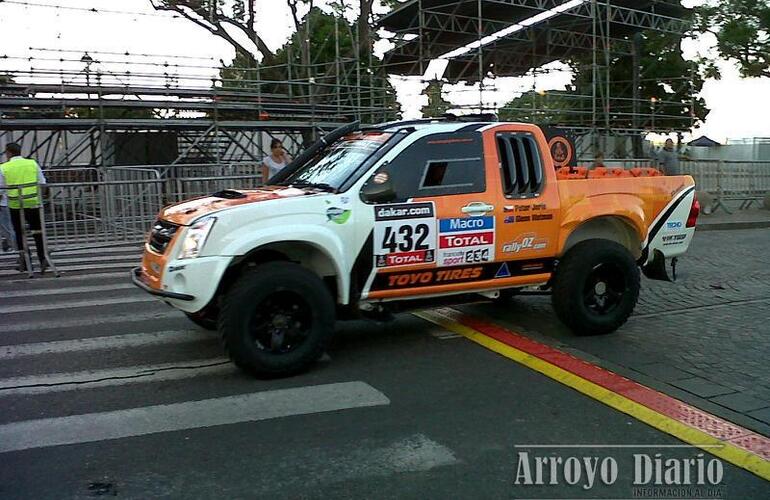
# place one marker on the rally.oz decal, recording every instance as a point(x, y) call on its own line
point(527, 241)
point(468, 240)
point(404, 234)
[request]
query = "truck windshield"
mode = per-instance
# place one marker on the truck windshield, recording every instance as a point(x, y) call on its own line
point(333, 166)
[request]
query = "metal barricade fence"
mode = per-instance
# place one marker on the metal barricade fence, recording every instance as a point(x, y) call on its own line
point(106, 212)
point(746, 182)
point(626, 163)
point(119, 204)
point(20, 196)
point(122, 209)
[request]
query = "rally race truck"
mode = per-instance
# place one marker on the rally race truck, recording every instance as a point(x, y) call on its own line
point(376, 219)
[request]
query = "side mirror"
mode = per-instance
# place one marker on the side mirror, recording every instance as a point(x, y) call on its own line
point(382, 192)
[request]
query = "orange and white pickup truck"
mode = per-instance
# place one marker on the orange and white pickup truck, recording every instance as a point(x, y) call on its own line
point(410, 214)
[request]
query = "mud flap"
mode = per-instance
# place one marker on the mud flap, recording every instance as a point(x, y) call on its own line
point(656, 268)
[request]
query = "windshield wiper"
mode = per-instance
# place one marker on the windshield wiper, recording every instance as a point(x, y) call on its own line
point(316, 185)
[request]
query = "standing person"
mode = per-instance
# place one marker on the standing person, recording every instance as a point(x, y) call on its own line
point(668, 159)
point(17, 171)
point(7, 233)
point(275, 161)
point(599, 160)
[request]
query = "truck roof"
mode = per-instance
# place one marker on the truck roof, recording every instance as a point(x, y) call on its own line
point(447, 123)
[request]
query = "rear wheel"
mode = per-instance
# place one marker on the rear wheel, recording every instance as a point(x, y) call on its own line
point(596, 287)
point(276, 319)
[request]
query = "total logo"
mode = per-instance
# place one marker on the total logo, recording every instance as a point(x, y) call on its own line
point(527, 241)
point(672, 226)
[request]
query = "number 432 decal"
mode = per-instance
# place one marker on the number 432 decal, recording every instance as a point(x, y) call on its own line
point(404, 234)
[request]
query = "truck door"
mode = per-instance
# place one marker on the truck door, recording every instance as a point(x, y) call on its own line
point(527, 229)
point(440, 230)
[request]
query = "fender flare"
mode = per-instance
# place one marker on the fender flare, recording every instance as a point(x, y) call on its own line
point(324, 241)
point(624, 207)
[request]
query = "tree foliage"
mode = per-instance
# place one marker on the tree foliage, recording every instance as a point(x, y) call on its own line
point(324, 54)
point(742, 30)
point(546, 108)
point(668, 88)
point(437, 105)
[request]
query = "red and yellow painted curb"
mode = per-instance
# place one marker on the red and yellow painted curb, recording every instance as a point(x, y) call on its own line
point(726, 440)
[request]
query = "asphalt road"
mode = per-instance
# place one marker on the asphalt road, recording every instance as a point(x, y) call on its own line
point(104, 392)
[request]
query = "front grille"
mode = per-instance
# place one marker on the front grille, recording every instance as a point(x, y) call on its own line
point(161, 235)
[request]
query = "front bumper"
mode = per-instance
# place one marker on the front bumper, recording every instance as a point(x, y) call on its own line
point(136, 278)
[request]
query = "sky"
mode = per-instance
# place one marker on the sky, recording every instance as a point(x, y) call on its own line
point(739, 107)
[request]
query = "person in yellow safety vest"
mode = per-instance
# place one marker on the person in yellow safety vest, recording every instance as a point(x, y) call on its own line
point(18, 171)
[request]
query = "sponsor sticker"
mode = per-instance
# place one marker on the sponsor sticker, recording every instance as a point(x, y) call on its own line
point(404, 234)
point(674, 225)
point(674, 239)
point(466, 224)
point(460, 274)
point(337, 215)
point(527, 241)
point(433, 277)
point(466, 240)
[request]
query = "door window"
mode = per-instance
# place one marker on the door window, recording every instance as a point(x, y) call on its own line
point(438, 165)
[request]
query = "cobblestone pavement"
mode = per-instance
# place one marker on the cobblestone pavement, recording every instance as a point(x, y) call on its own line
point(705, 337)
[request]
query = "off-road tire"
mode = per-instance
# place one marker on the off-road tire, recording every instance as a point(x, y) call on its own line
point(203, 319)
point(572, 283)
point(239, 310)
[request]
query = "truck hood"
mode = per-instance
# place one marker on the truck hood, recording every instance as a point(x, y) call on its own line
point(185, 212)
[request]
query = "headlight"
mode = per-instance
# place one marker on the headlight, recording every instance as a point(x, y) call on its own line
point(196, 238)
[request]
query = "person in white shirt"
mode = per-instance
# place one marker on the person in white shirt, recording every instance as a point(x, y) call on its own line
point(275, 161)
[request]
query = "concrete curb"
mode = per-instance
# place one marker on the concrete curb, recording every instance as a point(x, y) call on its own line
point(725, 226)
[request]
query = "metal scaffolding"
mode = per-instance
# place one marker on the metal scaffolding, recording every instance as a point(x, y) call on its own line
point(482, 40)
point(168, 109)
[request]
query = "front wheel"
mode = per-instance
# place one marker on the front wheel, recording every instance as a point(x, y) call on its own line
point(206, 318)
point(276, 319)
point(596, 287)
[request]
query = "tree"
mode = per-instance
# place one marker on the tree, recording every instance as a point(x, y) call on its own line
point(326, 53)
point(668, 89)
point(215, 16)
point(437, 105)
point(742, 30)
point(544, 108)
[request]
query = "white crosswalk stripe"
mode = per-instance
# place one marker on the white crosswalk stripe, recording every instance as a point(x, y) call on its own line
point(64, 279)
point(50, 326)
point(91, 320)
point(188, 415)
point(69, 304)
point(72, 290)
point(103, 343)
point(127, 264)
point(58, 382)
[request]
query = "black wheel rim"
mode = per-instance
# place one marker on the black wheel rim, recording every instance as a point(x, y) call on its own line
point(282, 323)
point(604, 289)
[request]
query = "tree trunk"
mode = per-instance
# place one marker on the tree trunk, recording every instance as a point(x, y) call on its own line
point(364, 30)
